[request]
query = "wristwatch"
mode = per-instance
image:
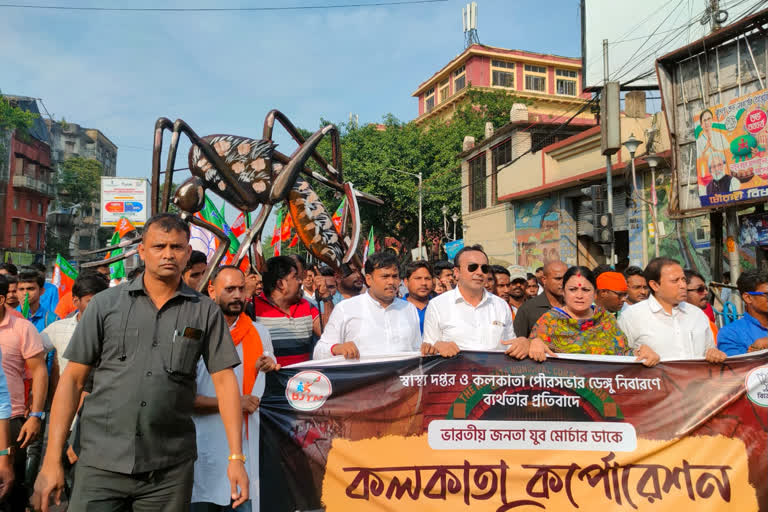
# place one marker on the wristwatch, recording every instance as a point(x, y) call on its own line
point(39, 415)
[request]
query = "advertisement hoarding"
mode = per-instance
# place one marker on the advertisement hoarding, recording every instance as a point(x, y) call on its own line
point(124, 197)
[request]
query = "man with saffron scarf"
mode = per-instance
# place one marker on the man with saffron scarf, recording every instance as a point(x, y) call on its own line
point(211, 491)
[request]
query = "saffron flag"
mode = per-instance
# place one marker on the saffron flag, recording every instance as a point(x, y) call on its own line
point(481, 431)
point(294, 240)
point(238, 227)
point(287, 226)
point(338, 214)
point(276, 231)
point(64, 276)
point(117, 269)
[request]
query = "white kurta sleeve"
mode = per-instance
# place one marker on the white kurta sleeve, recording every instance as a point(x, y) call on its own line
point(332, 334)
point(625, 324)
point(432, 331)
point(508, 332)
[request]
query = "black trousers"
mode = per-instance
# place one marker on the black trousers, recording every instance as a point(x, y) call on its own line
point(166, 490)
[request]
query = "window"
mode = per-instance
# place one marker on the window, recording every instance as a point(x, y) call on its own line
point(429, 100)
point(566, 82)
point(40, 208)
point(29, 205)
point(459, 79)
point(535, 78)
point(39, 237)
point(502, 73)
point(69, 146)
point(26, 234)
point(15, 202)
point(14, 232)
point(500, 155)
point(443, 91)
point(477, 182)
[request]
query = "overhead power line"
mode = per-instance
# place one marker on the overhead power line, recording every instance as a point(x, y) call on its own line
point(217, 9)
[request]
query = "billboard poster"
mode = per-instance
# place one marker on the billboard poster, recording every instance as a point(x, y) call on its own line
point(731, 156)
point(753, 230)
point(481, 431)
point(124, 197)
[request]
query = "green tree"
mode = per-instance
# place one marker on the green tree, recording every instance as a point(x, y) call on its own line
point(14, 118)
point(369, 152)
point(79, 181)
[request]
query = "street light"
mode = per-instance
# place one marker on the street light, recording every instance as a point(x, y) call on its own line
point(632, 144)
point(653, 162)
point(421, 253)
point(454, 218)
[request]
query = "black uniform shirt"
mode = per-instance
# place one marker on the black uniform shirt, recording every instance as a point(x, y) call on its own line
point(138, 417)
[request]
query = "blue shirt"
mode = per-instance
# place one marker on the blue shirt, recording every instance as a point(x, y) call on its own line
point(421, 312)
point(42, 318)
point(5, 396)
point(736, 337)
point(50, 297)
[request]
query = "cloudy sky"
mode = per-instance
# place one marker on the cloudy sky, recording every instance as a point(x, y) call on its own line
point(222, 72)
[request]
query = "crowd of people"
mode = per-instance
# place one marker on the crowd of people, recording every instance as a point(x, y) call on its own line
point(154, 410)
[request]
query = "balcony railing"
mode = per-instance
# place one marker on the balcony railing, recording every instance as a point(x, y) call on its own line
point(32, 184)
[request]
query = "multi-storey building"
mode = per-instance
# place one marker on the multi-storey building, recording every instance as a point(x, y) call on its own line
point(26, 188)
point(70, 139)
point(552, 84)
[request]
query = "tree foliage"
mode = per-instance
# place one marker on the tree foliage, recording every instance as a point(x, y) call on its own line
point(79, 181)
point(15, 118)
point(369, 153)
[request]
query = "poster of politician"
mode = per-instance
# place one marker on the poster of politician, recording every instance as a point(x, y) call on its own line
point(731, 157)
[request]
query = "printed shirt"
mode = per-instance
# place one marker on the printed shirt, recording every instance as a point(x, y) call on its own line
point(19, 341)
point(599, 335)
point(736, 337)
point(374, 329)
point(291, 333)
point(211, 483)
point(483, 327)
point(683, 334)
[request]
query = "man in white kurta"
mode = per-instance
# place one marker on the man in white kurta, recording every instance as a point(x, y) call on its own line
point(211, 490)
point(374, 323)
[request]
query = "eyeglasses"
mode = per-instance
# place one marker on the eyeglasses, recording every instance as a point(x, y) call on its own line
point(619, 294)
point(698, 289)
point(764, 294)
point(483, 268)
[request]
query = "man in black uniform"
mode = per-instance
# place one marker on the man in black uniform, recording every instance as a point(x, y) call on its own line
point(142, 340)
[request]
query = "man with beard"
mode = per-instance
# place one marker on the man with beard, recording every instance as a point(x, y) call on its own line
point(291, 320)
point(518, 280)
point(374, 323)
point(349, 281)
point(722, 183)
point(420, 283)
point(444, 272)
point(211, 492)
point(501, 281)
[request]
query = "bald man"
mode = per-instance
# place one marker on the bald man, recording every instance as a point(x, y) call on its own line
point(530, 312)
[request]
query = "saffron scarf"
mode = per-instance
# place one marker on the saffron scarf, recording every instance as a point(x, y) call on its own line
point(244, 332)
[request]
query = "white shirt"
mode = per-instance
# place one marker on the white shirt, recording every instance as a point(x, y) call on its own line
point(211, 484)
point(684, 334)
point(374, 329)
point(58, 335)
point(451, 318)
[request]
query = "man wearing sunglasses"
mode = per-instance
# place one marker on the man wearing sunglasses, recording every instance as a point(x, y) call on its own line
point(468, 317)
point(611, 291)
point(750, 332)
point(698, 295)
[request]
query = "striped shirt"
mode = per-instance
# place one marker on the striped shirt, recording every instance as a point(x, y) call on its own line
point(292, 336)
